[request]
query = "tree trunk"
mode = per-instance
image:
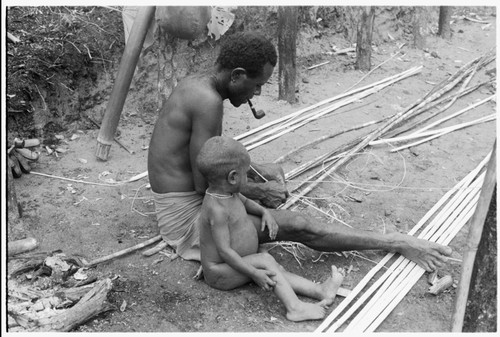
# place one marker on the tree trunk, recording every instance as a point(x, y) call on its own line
point(364, 38)
point(418, 31)
point(444, 29)
point(287, 41)
point(481, 310)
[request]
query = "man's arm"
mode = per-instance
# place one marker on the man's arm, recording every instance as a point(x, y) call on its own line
point(207, 123)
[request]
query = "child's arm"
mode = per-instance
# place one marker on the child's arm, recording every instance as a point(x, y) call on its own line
point(267, 219)
point(220, 234)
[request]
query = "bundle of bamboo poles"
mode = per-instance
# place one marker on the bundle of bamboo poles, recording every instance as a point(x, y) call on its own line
point(302, 117)
point(336, 158)
point(383, 296)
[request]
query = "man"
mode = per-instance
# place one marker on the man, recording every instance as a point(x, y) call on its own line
point(193, 114)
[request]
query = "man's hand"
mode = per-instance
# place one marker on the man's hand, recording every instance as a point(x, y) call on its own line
point(271, 193)
point(269, 222)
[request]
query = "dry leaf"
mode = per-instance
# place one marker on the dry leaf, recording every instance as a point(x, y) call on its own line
point(123, 306)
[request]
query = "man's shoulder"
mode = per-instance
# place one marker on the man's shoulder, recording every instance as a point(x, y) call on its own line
point(198, 88)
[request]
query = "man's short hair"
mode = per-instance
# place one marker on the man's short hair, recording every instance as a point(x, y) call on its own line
point(248, 50)
point(219, 155)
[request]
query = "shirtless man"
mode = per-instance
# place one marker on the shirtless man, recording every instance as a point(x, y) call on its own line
point(193, 114)
point(229, 242)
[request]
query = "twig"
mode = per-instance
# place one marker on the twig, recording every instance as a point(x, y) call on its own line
point(125, 251)
point(475, 20)
point(318, 65)
point(13, 38)
point(362, 78)
point(43, 100)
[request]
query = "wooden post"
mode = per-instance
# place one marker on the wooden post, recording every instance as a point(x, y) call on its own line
point(287, 40)
point(481, 310)
point(128, 64)
point(418, 30)
point(473, 239)
point(444, 29)
point(364, 38)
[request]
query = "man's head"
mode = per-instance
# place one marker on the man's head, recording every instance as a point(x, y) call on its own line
point(223, 159)
point(250, 59)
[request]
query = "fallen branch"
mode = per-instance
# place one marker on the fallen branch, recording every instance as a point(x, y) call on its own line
point(475, 20)
point(125, 251)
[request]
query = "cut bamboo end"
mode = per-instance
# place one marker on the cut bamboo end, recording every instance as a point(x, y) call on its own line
point(441, 285)
point(102, 151)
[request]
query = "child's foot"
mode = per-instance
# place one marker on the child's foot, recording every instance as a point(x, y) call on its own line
point(306, 311)
point(330, 287)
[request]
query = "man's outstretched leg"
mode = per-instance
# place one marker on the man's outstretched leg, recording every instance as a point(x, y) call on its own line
point(330, 237)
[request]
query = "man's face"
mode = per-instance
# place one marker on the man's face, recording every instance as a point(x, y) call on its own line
point(244, 87)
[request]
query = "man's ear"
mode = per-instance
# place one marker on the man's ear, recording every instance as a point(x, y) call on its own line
point(237, 73)
point(232, 177)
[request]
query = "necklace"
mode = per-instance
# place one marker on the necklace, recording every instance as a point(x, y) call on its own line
point(219, 196)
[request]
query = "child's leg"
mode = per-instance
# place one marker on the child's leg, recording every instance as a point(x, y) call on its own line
point(296, 310)
point(325, 291)
point(223, 277)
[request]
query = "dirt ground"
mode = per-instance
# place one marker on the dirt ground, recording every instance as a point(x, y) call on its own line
point(385, 189)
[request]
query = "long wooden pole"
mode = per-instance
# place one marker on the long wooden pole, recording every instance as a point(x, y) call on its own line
point(476, 229)
point(122, 83)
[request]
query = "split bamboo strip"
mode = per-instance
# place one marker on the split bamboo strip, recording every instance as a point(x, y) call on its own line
point(413, 135)
point(395, 269)
point(294, 124)
point(340, 308)
point(372, 272)
point(314, 106)
point(380, 300)
point(409, 276)
point(447, 130)
point(412, 279)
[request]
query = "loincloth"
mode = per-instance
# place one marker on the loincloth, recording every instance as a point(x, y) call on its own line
point(177, 214)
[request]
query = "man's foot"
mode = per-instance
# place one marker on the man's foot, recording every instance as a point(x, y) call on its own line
point(428, 255)
point(306, 311)
point(329, 288)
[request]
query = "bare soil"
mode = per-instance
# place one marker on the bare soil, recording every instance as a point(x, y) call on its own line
point(388, 189)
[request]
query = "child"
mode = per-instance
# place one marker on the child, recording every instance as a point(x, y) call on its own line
point(229, 245)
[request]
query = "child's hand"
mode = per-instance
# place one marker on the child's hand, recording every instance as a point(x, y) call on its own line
point(268, 221)
point(263, 279)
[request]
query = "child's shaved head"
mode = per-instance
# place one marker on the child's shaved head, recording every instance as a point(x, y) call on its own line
point(219, 155)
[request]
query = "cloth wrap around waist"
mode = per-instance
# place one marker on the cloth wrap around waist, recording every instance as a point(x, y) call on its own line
point(177, 214)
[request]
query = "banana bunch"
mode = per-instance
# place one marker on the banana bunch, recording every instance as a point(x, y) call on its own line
point(20, 154)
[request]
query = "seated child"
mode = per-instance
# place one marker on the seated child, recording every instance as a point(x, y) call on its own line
point(229, 245)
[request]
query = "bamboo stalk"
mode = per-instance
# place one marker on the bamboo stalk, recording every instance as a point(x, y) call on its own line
point(413, 135)
point(325, 137)
point(473, 240)
point(453, 97)
point(328, 100)
point(446, 131)
point(294, 124)
point(125, 73)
